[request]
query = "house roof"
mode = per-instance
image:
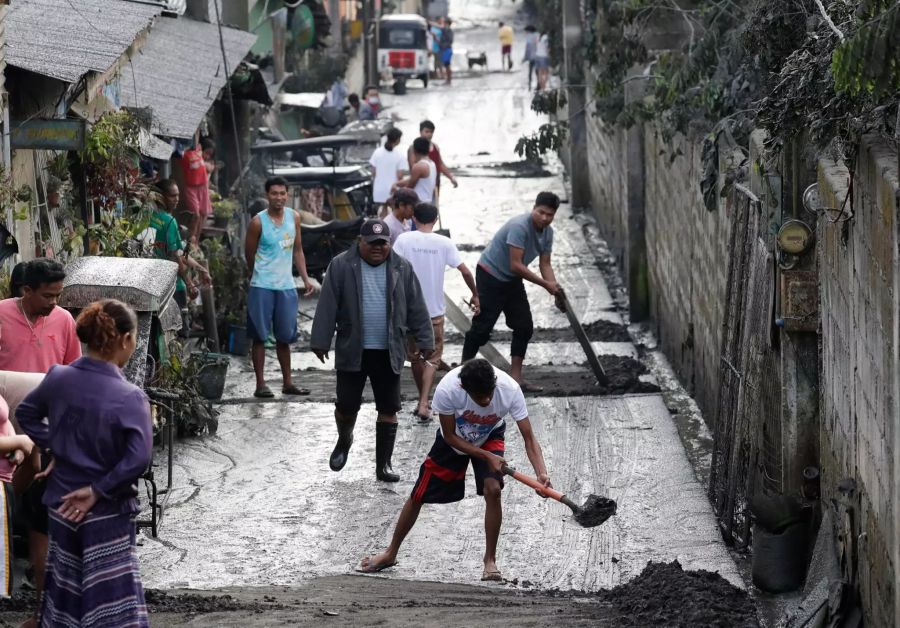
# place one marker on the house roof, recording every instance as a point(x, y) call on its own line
point(178, 72)
point(65, 39)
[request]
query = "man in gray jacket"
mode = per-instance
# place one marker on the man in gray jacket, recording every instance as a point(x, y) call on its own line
point(373, 300)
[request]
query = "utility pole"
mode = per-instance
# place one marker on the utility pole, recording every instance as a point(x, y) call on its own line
point(370, 27)
point(573, 77)
point(337, 36)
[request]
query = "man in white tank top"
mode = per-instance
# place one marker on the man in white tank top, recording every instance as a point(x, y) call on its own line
point(423, 174)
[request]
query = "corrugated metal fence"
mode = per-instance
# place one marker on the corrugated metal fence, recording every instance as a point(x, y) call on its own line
point(747, 429)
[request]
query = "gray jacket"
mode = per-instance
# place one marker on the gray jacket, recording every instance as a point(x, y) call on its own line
point(340, 306)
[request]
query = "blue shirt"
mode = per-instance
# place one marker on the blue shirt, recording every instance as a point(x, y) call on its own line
point(98, 428)
point(518, 232)
point(272, 267)
point(374, 306)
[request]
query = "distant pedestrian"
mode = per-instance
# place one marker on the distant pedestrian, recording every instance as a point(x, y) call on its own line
point(507, 37)
point(542, 60)
point(422, 176)
point(97, 426)
point(472, 401)
point(430, 255)
point(353, 105)
point(435, 29)
point(399, 219)
point(531, 41)
point(370, 107)
point(426, 130)
point(372, 300)
point(501, 270)
point(388, 165)
point(196, 164)
point(446, 44)
point(272, 245)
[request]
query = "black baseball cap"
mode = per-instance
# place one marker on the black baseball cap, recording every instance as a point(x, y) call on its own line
point(374, 230)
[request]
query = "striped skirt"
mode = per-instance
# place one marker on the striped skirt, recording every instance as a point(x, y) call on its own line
point(93, 577)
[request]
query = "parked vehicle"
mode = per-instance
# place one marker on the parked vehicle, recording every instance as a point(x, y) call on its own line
point(403, 48)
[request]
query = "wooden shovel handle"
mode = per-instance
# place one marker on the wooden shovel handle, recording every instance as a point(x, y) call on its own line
point(533, 483)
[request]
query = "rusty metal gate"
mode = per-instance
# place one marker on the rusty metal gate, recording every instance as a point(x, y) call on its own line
point(747, 428)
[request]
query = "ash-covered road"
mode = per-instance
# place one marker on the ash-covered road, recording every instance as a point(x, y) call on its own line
point(256, 505)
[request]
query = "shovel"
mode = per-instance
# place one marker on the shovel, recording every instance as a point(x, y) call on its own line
point(595, 510)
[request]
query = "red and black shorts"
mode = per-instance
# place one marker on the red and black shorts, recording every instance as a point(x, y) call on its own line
point(442, 477)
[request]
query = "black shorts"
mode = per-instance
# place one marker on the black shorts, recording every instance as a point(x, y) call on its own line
point(34, 512)
point(442, 477)
point(376, 367)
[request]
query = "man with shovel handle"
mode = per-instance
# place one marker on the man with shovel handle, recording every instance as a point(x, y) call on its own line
point(472, 401)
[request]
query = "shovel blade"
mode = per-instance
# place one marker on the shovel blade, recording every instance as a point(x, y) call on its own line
point(595, 511)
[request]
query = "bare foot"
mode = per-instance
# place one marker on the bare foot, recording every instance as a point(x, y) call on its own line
point(379, 562)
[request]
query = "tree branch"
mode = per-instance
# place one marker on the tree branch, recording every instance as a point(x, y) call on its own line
point(828, 21)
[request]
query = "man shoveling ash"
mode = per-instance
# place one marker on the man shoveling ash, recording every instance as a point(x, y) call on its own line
point(372, 299)
point(500, 275)
point(472, 401)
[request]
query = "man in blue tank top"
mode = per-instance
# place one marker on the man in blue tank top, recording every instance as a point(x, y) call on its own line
point(272, 245)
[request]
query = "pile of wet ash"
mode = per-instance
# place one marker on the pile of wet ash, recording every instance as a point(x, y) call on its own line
point(163, 602)
point(664, 594)
point(623, 376)
point(21, 602)
point(598, 331)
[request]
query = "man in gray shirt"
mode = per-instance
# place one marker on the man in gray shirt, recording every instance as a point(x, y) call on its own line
point(371, 299)
point(501, 270)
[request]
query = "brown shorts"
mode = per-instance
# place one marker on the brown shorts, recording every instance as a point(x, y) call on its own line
point(412, 350)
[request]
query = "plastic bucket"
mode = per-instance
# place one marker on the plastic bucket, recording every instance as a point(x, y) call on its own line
point(211, 374)
point(238, 342)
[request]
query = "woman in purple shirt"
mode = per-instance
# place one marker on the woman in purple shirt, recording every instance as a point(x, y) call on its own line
point(100, 435)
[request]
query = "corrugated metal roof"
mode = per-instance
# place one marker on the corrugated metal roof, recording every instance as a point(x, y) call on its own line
point(64, 39)
point(178, 72)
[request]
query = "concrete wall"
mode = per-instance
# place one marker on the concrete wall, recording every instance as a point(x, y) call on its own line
point(687, 265)
point(859, 317)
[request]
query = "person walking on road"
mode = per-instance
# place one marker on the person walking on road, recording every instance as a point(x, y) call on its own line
point(422, 172)
point(472, 401)
point(430, 254)
point(446, 45)
point(399, 219)
point(98, 427)
point(542, 60)
point(273, 243)
point(531, 41)
point(388, 167)
point(507, 37)
point(500, 276)
point(372, 299)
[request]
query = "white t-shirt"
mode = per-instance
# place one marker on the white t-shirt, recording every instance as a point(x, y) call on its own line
point(430, 254)
point(387, 164)
point(397, 227)
point(543, 47)
point(474, 423)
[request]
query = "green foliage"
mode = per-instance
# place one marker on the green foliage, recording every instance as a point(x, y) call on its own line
point(868, 61)
point(549, 101)
point(548, 137)
point(230, 281)
point(193, 413)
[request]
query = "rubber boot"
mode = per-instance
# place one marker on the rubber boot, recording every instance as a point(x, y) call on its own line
point(345, 427)
point(385, 435)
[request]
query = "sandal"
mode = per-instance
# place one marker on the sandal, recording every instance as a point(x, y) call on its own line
point(493, 575)
point(366, 567)
point(423, 418)
point(263, 392)
point(294, 390)
point(531, 388)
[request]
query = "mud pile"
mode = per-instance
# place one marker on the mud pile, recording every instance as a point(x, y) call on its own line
point(163, 602)
point(666, 595)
